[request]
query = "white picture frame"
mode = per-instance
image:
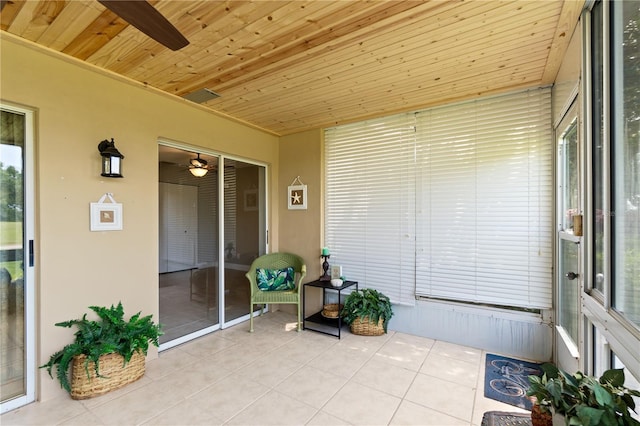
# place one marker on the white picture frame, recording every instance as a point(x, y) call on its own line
point(106, 216)
point(250, 200)
point(336, 272)
point(297, 197)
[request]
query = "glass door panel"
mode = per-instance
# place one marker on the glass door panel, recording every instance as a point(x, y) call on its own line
point(244, 232)
point(15, 219)
point(568, 302)
point(188, 246)
point(569, 232)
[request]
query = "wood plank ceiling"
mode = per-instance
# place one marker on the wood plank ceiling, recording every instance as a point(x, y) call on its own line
point(290, 66)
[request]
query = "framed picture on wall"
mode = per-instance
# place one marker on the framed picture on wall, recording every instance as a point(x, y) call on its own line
point(297, 195)
point(106, 216)
point(250, 200)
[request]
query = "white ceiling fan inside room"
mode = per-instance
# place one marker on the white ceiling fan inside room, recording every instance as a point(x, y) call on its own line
point(198, 166)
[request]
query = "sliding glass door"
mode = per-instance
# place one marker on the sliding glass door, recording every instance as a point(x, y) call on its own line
point(212, 226)
point(244, 232)
point(16, 258)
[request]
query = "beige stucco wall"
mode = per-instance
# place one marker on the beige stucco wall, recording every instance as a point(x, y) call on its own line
point(77, 107)
point(300, 230)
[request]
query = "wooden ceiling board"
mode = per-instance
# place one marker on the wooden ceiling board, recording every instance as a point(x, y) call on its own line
point(9, 12)
point(373, 85)
point(22, 19)
point(42, 15)
point(233, 47)
point(369, 63)
point(569, 15)
point(160, 66)
point(282, 49)
point(294, 65)
point(373, 66)
point(69, 24)
point(346, 76)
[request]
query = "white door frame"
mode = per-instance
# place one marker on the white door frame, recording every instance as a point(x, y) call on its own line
point(567, 351)
point(30, 259)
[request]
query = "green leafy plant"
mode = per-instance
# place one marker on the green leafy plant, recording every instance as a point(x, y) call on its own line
point(584, 400)
point(110, 334)
point(367, 303)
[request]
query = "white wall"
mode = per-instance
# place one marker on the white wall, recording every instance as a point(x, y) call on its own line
point(498, 331)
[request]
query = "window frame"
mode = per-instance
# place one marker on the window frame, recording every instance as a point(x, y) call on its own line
point(619, 334)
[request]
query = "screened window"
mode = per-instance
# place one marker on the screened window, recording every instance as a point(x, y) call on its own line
point(451, 203)
point(626, 158)
point(613, 100)
point(598, 140)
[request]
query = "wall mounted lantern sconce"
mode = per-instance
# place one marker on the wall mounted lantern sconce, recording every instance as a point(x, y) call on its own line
point(111, 159)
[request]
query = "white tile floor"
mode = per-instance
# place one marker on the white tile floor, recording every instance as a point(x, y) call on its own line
point(276, 376)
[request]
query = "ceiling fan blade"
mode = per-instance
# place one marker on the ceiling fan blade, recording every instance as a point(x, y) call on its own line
point(147, 19)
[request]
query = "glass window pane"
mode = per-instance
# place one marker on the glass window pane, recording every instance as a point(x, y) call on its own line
point(568, 145)
point(569, 289)
point(626, 148)
point(629, 381)
point(243, 241)
point(12, 347)
point(597, 114)
point(188, 246)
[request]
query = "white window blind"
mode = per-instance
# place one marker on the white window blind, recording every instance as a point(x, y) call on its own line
point(452, 202)
point(484, 201)
point(370, 204)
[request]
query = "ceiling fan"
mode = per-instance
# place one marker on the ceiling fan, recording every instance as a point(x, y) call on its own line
point(198, 166)
point(146, 18)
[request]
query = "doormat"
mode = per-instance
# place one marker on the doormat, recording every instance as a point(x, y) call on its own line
point(507, 380)
point(501, 418)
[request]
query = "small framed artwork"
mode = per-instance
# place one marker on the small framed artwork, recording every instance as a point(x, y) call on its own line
point(250, 200)
point(106, 216)
point(336, 272)
point(297, 195)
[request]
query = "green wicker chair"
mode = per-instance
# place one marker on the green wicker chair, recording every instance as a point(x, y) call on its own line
point(276, 261)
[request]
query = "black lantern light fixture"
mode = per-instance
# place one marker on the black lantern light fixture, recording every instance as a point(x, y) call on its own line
point(111, 159)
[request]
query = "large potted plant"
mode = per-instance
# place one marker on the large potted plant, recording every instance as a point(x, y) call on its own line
point(578, 399)
point(107, 353)
point(367, 311)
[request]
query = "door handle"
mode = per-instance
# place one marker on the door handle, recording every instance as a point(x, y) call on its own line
point(571, 276)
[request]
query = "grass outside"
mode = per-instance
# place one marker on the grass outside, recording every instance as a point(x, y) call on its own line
point(11, 235)
point(14, 268)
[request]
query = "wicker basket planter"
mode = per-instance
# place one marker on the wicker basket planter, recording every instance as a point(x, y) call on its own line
point(367, 311)
point(332, 310)
point(365, 327)
point(95, 362)
point(114, 374)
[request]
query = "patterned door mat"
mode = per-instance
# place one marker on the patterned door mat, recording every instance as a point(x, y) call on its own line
point(507, 380)
point(501, 418)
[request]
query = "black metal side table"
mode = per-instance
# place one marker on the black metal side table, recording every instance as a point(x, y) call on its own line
point(317, 322)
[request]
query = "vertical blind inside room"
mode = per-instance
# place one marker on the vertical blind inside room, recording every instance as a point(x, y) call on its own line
point(452, 203)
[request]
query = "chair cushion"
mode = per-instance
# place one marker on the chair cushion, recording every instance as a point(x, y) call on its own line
point(275, 279)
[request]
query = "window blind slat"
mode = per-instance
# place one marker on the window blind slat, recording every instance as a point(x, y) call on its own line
point(452, 202)
point(370, 179)
point(500, 187)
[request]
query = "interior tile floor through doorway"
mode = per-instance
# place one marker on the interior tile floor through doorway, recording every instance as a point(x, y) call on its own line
point(279, 376)
point(189, 300)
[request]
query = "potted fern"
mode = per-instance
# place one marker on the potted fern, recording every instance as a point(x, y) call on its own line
point(367, 311)
point(107, 353)
point(578, 399)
